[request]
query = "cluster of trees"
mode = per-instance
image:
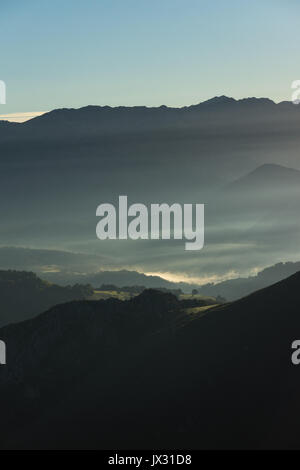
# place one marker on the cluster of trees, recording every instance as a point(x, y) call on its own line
point(138, 289)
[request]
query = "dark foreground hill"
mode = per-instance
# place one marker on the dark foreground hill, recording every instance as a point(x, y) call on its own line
point(147, 374)
point(24, 295)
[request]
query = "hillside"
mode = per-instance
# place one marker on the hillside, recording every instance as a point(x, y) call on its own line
point(234, 289)
point(23, 295)
point(101, 374)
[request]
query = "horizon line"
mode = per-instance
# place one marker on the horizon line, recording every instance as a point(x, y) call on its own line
point(30, 115)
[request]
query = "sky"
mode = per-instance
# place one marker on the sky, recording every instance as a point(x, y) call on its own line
point(70, 53)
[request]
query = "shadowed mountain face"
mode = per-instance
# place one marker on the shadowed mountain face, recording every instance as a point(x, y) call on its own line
point(102, 326)
point(146, 373)
point(23, 295)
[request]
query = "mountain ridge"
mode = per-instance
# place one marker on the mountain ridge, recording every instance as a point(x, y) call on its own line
point(217, 100)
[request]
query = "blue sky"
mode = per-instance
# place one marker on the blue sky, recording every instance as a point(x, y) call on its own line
point(71, 53)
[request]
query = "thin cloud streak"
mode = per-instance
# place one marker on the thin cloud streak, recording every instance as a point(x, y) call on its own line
point(20, 117)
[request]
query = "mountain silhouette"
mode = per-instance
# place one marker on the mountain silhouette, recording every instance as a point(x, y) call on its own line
point(108, 120)
point(233, 289)
point(262, 204)
point(148, 374)
point(266, 176)
point(23, 295)
point(64, 268)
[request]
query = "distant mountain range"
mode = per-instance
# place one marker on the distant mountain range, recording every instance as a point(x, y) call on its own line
point(109, 120)
point(234, 289)
point(124, 277)
point(260, 114)
point(67, 162)
point(100, 375)
point(66, 268)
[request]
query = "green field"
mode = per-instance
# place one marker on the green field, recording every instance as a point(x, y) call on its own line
point(106, 294)
point(124, 295)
